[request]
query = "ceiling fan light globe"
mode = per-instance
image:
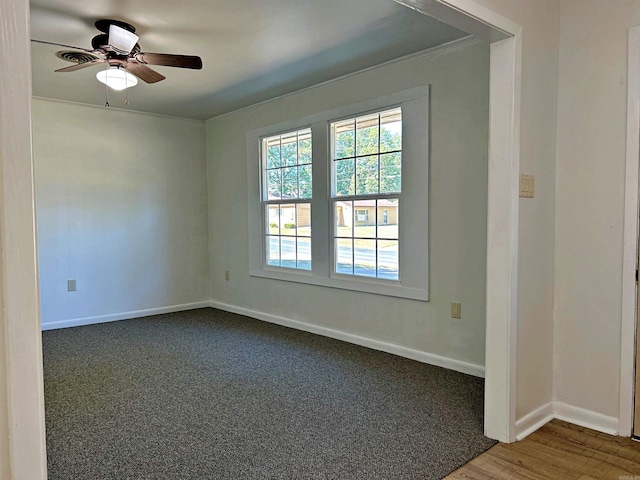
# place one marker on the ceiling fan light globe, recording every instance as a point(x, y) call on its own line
point(117, 78)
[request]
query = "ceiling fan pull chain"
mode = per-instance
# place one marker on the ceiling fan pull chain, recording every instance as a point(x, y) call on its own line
point(126, 91)
point(106, 96)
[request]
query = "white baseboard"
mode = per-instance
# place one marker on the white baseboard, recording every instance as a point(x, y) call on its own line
point(534, 420)
point(569, 413)
point(424, 357)
point(585, 418)
point(76, 322)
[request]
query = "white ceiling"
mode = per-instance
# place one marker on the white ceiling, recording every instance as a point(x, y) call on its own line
point(252, 50)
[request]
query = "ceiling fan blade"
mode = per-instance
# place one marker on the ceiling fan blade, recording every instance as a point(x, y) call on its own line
point(168, 60)
point(63, 45)
point(122, 40)
point(80, 66)
point(143, 72)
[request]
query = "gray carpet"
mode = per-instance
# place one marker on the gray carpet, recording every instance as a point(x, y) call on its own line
point(212, 395)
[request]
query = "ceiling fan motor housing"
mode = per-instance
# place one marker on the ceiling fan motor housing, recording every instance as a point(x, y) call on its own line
point(100, 41)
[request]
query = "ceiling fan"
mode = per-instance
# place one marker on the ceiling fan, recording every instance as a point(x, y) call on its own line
point(118, 47)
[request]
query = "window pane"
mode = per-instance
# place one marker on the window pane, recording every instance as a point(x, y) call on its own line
point(345, 177)
point(304, 253)
point(343, 219)
point(391, 130)
point(344, 139)
point(390, 172)
point(273, 251)
point(289, 149)
point(303, 219)
point(388, 218)
point(273, 155)
point(344, 256)
point(374, 237)
point(305, 181)
point(367, 175)
point(274, 184)
point(273, 219)
point(388, 259)
point(304, 147)
point(290, 182)
point(364, 224)
point(288, 252)
point(288, 219)
point(367, 135)
point(364, 258)
point(292, 247)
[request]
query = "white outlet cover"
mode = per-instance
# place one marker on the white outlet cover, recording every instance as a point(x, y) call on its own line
point(527, 186)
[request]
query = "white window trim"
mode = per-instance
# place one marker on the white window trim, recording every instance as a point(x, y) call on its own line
point(414, 252)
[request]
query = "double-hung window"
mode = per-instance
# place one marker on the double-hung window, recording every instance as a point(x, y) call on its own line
point(340, 198)
point(287, 192)
point(366, 153)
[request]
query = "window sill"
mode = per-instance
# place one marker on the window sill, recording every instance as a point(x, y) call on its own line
point(343, 282)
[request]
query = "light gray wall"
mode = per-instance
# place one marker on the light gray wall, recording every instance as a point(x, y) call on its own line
point(591, 153)
point(121, 203)
point(459, 133)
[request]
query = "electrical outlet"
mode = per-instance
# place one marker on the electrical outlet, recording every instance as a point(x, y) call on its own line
point(71, 285)
point(527, 186)
point(456, 310)
point(226, 275)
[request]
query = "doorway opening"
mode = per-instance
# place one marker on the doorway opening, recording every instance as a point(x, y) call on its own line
point(22, 321)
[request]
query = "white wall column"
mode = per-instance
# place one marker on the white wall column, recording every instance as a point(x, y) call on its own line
point(22, 430)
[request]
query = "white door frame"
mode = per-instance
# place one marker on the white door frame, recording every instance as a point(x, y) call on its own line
point(630, 239)
point(505, 37)
point(23, 432)
point(19, 308)
point(502, 240)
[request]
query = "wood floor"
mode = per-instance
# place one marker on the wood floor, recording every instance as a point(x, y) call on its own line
point(559, 450)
